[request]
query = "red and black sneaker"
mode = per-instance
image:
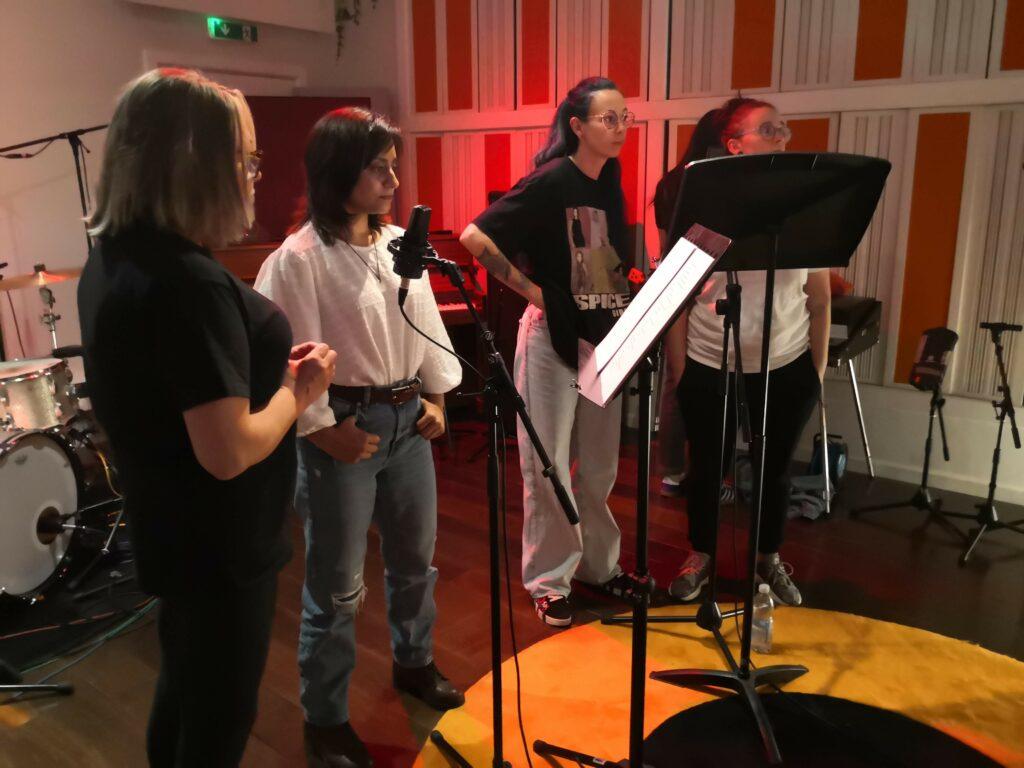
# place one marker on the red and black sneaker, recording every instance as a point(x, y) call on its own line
point(554, 610)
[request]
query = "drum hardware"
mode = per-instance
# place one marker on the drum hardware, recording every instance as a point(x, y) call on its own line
point(49, 318)
point(62, 487)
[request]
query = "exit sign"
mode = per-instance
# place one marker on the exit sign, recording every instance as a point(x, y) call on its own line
point(222, 29)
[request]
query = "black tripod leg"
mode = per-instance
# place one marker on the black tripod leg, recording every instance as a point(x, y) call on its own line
point(448, 750)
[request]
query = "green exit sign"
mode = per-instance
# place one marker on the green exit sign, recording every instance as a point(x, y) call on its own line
point(222, 29)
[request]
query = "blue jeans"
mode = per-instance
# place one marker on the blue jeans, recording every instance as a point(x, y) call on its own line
point(396, 489)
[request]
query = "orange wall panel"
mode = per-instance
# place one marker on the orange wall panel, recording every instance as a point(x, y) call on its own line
point(459, 42)
point(536, 42)
point(626, 45)
point(881, 28)
point(1013, 37)
point(810, 134)
point(629, 157)
point(753, 38)
point(498, 162)
point(424, 55)
point(683, 135)
point(934, 223)
point(429, 181)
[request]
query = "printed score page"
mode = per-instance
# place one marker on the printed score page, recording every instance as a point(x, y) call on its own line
point(603, 369)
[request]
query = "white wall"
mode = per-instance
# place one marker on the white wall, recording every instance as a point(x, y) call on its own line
point(62, 63)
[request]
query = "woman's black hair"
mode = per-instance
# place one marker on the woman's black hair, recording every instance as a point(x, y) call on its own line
point(340, 146)
point(561, 140)
point(705, 138)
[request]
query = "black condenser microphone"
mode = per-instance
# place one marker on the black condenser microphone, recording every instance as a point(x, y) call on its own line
point(409, 249)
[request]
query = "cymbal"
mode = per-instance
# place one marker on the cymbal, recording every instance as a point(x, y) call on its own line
point(39, 279)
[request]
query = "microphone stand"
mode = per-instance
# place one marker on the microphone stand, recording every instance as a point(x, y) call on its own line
point(498, 387)
point(74, 139)
point(987, 517)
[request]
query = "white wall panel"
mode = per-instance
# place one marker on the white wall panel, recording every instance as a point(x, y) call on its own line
point(878, 134)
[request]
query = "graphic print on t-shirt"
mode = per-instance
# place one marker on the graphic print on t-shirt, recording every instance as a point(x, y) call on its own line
point(598, 280)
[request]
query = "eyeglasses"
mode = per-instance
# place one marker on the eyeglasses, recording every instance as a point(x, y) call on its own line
point(612, 121)
point(770, 131)
point(253, 160)
point(382, 170)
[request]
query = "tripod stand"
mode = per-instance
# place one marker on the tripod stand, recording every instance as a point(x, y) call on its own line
point(927, 374)
point(987, 517)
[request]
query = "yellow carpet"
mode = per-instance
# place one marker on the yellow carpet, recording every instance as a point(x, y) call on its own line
point(576, 683)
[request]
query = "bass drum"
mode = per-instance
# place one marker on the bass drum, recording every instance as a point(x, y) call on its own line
point(46, 477)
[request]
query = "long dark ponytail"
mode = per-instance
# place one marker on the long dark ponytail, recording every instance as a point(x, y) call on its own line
point(561, 140)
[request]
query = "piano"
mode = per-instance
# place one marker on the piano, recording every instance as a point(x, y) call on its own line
point(449, 301)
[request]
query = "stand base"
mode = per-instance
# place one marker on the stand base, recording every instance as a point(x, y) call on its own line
point(922, 500)
point(744, 686)
point(988, 520)
point(453, 756)
point(544, 749)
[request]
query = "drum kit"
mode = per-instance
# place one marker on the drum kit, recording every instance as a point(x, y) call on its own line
point(59, 504)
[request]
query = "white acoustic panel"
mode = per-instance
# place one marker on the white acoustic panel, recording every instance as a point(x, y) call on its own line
point(524, 145)
point(580, 23)
point(951, 38)
point(993, 289)
point(496, 25)
point(700, 47)
point(463, 184)
point(877, 134)
point(818, 43)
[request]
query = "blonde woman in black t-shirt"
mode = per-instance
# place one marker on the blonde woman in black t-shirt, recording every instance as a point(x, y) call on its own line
point(195, 379)
point(567, 219)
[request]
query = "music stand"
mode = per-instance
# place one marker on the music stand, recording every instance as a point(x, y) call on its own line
point(603, 371)
point(781, 211)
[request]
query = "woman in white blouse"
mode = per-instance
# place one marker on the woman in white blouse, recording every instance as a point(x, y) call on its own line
point(364, 450)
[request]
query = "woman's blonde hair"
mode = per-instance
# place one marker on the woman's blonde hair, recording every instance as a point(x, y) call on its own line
point(173, 159)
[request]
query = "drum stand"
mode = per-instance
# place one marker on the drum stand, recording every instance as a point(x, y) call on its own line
point(100, 508)
point(49, 318)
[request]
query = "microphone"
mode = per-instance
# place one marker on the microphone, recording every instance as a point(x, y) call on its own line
point(1000, 327)
point(409, 250)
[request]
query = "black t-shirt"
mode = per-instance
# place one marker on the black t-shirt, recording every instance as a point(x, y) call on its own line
point(572, 230)
point(166, 328)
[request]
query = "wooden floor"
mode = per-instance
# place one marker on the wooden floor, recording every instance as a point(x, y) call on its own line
point(884, 566)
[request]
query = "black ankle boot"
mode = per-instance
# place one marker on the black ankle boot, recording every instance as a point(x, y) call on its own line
point(335, 746)
point(428, 685)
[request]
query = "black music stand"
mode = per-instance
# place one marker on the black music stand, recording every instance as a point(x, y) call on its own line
point(781, 211)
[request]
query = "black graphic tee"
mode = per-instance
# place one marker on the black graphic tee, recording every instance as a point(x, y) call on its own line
point(572, 231)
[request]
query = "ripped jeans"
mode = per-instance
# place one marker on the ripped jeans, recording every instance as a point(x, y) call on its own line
point(396, 490)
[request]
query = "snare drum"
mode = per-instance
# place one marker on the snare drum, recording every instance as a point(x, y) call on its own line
point(36, 394)
point(46, 477)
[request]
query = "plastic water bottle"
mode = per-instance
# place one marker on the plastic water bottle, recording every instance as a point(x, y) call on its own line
point(764, 610)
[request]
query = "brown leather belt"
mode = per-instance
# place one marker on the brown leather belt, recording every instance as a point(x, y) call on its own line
point(396, 395)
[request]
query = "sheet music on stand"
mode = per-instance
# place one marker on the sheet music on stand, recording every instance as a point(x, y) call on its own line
point(603, 369)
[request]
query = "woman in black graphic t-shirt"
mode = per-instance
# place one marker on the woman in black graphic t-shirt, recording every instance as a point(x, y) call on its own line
point(194, 377)
point(567, 218)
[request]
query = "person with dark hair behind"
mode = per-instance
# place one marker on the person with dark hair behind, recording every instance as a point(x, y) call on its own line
point(704, 143)
point(797, 360)
point(364, 452)
point(567, 217)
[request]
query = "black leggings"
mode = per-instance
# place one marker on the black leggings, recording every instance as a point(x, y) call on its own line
point(794, 391)
point(213, 647)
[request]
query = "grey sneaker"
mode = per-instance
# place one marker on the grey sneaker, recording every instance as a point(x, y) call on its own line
point(775, 573)
point(692, 577)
